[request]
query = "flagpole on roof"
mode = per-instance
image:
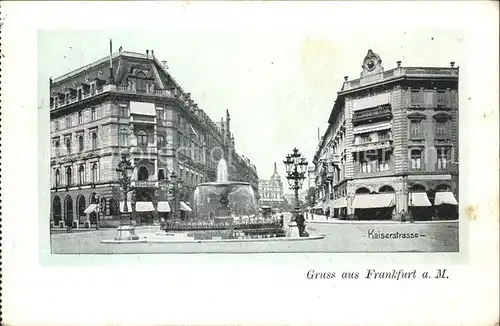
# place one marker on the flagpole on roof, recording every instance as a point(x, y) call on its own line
point(111, 79)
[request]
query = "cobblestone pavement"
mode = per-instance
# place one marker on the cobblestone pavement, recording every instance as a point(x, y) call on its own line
point(341, 237)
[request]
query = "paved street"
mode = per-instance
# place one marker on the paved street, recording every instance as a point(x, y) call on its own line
point(339, 237)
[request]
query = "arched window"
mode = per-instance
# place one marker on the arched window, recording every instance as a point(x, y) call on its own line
point(94, 172)
point(386, 189)
point(58, 178)
point(68, 176)
point(362, 190)
point(417, 188)
point(80, 114)
point(94, 140)
point(80, 143)
point(142, 138)
point(81, 174)
point(443, 188)
point(143, 174)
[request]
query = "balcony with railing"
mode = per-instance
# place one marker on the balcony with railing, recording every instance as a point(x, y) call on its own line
point(382, 112)
point(400, 72)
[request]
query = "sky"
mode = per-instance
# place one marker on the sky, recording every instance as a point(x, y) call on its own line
point(279, 85)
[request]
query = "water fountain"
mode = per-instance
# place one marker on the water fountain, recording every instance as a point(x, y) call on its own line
point(224, 211)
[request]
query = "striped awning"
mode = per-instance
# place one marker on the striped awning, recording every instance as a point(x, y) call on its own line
point(445, 198)
point(419, 199)
point(129, 207)
point(185, 207)
point(163, 206)
point(144, 206)
point(90, 209)
point(373, 201)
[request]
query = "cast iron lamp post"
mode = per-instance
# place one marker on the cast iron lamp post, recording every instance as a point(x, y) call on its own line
point(126, 231)
point(176, 186)
point(296, 167)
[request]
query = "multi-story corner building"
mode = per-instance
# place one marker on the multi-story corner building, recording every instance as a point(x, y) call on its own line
point(271, 191)
point(130, 102)
point(391, 145)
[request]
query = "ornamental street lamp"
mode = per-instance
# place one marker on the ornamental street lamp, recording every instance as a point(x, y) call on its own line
point(176, 187)
point(126, 231)
point(296, 167)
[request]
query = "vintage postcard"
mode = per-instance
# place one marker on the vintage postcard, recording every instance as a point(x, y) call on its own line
point(160, 131)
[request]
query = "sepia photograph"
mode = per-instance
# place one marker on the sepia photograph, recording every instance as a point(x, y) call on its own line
point(155, 150)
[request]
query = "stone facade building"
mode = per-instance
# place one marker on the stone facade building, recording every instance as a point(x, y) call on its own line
point(391, 145)
point(271, 191)
point(130, 102)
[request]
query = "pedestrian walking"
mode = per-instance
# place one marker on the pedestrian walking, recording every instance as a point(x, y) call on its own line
point(300, 220)
point(69, 225)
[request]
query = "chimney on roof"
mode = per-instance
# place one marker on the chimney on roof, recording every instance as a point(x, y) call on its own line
point(452, 64)
point(164, 63)
point(398, 63)
point(120, 48)
point(346, 78)
point(153, 53)
point(147, 54)
point(188, 95)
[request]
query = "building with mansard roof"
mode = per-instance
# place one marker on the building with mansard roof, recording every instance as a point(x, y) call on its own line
point(391, 146)
point(130, 102)
point(271, 191)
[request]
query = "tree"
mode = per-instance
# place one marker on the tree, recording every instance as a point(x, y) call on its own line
point(311, 196)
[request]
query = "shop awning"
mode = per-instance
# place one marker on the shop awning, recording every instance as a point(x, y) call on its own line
point(340, 202)
point(163, 206)
point(318, 205)
point(185, 207)
point(419, 199)
point(445, 198)
point(143, 108)
point(373, 201)
point(129, 207)
point(90, 209)
point(144, 206)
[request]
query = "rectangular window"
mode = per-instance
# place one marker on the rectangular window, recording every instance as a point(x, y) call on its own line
point(441, 130)
point(416, 129)
point(68, 122)
point(123, 140)
point(169, 114)
point(160, 115)
point(56, 125)
point(161, 174)
point(80, 117)
point(93, 114)
point(441, 99)
point(443, 159)
point(68, 145)
point(384, 135)
point(416, 159)
point(415, 98)
point(123, 111)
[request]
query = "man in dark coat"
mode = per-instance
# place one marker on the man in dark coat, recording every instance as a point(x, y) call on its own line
point(300, 220)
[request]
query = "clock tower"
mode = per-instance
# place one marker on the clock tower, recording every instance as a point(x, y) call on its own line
point(372, 64)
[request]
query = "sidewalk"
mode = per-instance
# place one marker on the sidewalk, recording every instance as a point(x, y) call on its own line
point(321, 219)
